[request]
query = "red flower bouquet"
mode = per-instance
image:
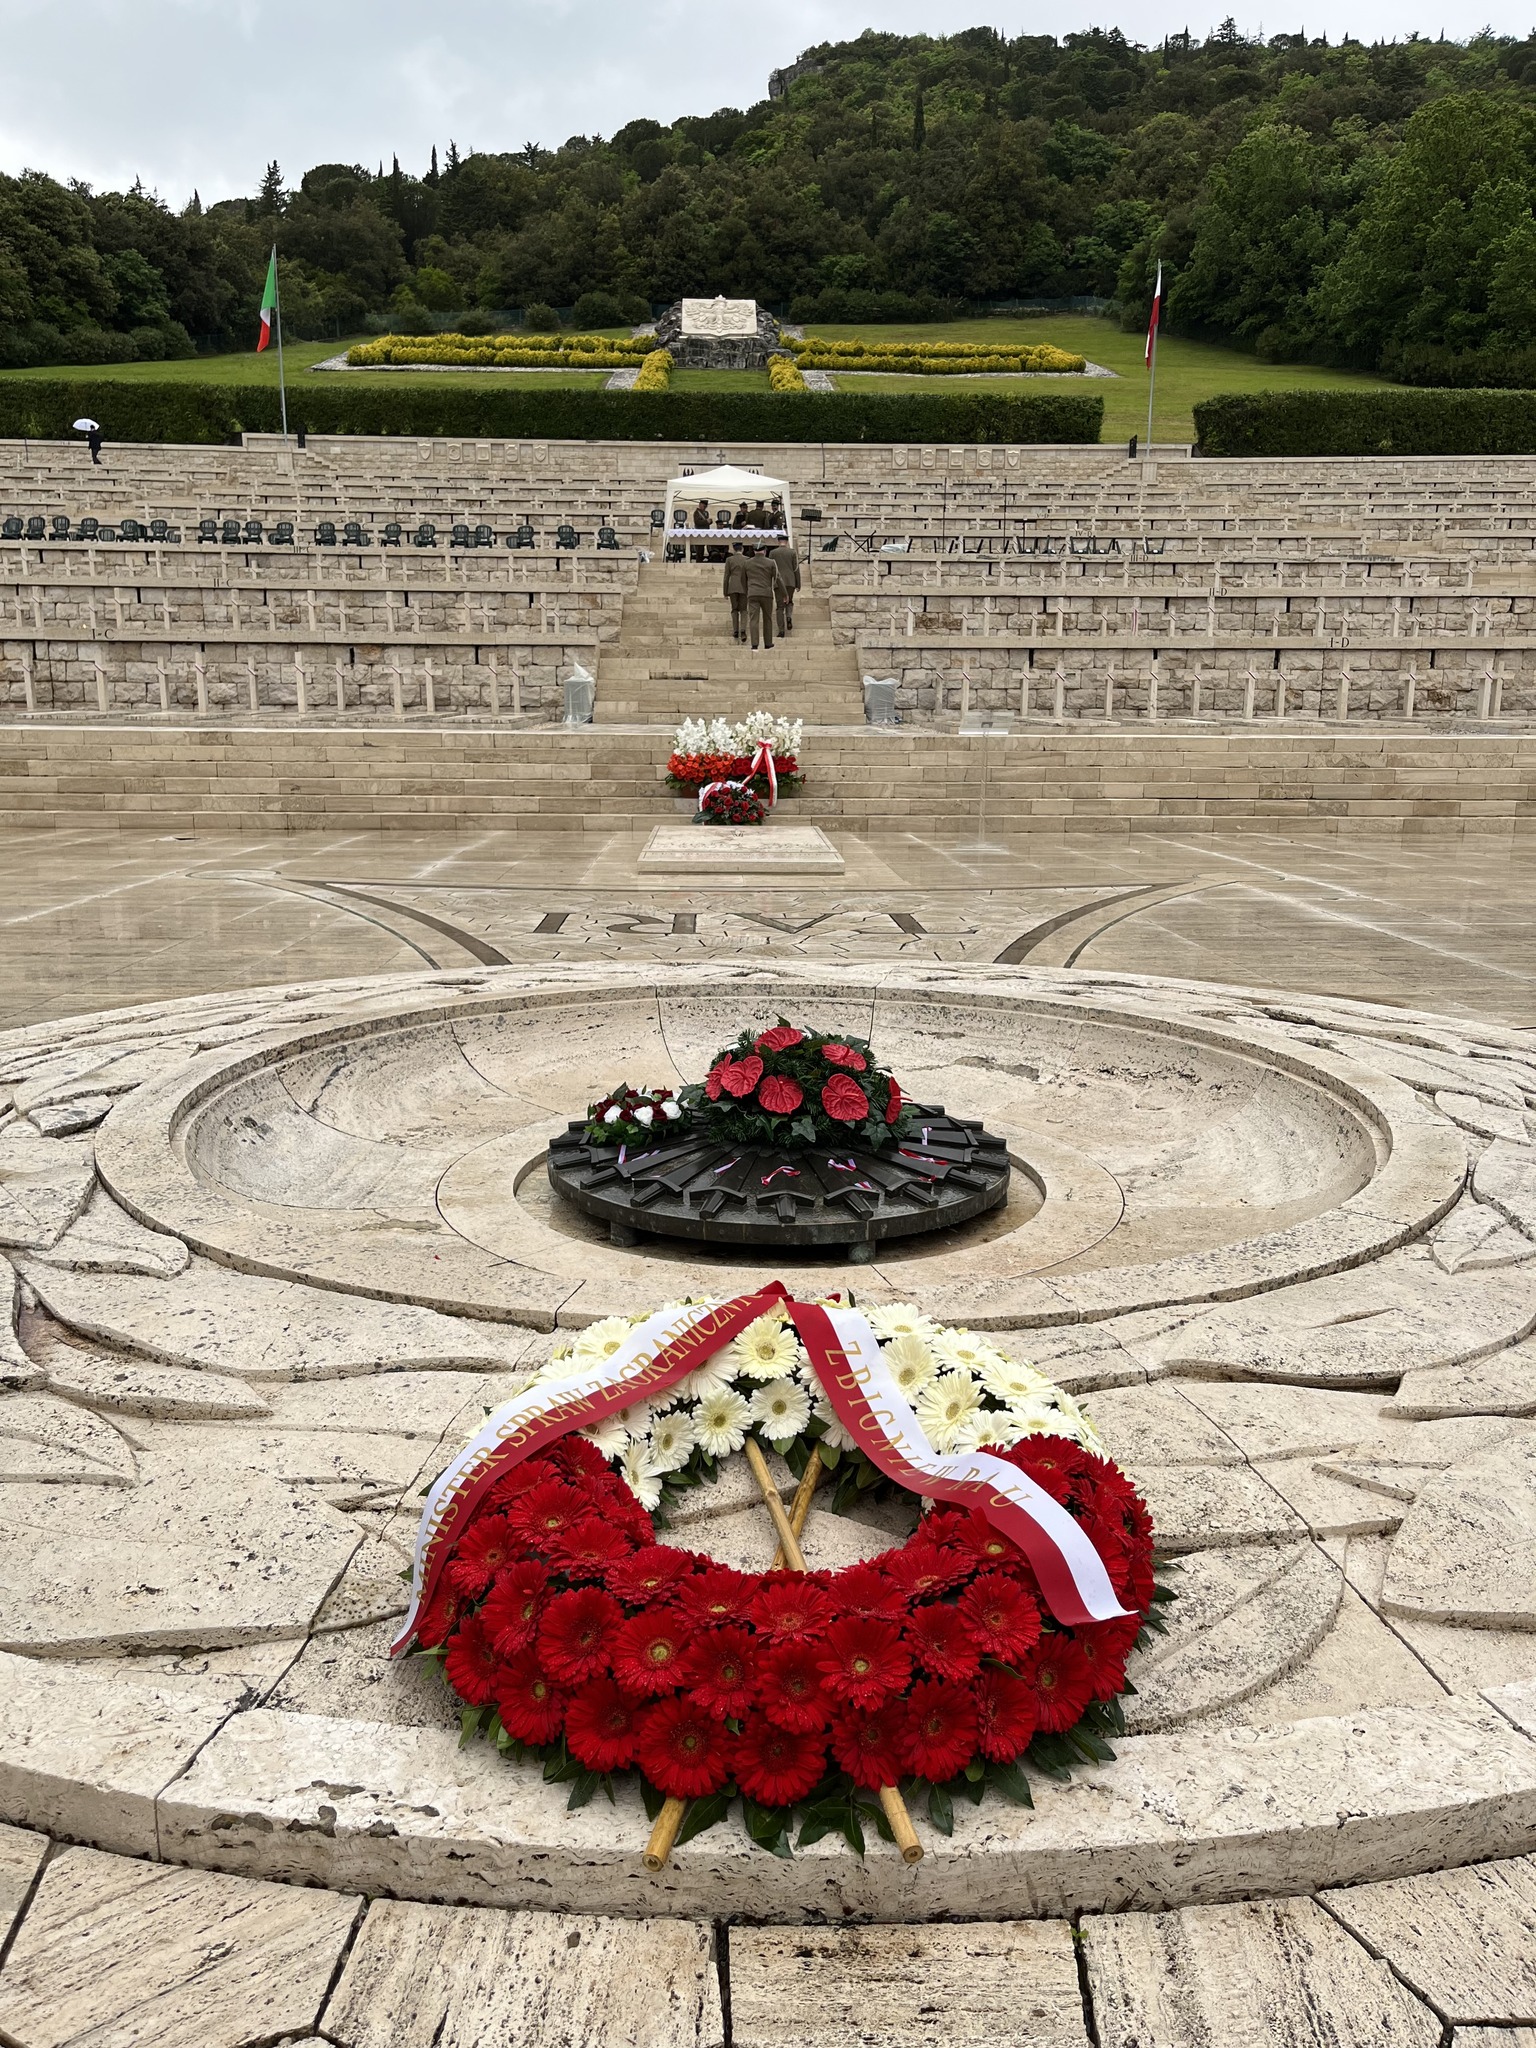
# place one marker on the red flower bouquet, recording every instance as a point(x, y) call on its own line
point(937, 1662)
point(793, 1086)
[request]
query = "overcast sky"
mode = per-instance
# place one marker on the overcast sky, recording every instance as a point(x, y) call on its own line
point(202, 93)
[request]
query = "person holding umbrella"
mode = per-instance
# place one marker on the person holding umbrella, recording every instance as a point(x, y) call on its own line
point(92, 433)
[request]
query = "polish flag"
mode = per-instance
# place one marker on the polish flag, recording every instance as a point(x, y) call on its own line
point(1157, 308)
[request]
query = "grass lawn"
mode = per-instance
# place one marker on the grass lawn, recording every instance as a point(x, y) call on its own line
point(719, 380)
point(1186, 370)
point(249, 368)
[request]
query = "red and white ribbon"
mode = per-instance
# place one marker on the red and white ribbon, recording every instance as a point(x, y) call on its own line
point(848, 1362)
point(868, 1403)
point(762, 764)
point(655, 1355)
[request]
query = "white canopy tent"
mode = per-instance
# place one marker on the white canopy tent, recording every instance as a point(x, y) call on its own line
point(722, 487)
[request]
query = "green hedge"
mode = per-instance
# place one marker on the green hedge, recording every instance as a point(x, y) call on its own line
point(42, 410)
point(1388, 422)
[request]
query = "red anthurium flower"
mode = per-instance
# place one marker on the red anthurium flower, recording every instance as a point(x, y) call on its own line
point(511, 1615)
point(576, 1634)
point(844, 1056)
point(790, 1609)
point(648, 1652)
point(1007, 1713)
point(776, 1767)
point(471, 1663)
point(487, 1545)
point(863, 1662)
point(600, 1727)
point(789, 1688)
point(893, 1101)
point(779, 1039)
point(1003, 1620)
point(712, 1082)
point(717, 1671)
point(940, 1641)
point(531, 1706)
point(740, 1077)
point(870, 1747)
point(844, 1100)
point(940, 1730)
point(682, 1750)
point(1061, 1679)
point(779, 1095)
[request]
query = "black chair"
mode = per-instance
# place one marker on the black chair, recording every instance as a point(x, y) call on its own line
point(12, 528)
point(58, 527)
point(567, 537)
point(207, 530)
point(459, 537)
point(354, 536)
point(281, 535)
point(607, 538)
point(253, 533)
point(105, 533)
point(425, 535)
point(521, 537)
point(88, 529)
point(325, 533)
point(390, 535)
point(229, 534)
point(37, 528)
point(131, 530)
point(159, 529)
point(658, 519)
point(483, 537)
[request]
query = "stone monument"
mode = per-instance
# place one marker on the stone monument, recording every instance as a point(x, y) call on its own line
point(718, 334)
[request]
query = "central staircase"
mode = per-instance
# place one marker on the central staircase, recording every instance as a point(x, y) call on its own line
point(674, 658)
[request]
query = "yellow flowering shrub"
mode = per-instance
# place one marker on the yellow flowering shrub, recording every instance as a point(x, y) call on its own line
point(784, 374)
point(935, 358)
point(502, 351)
point(655, 372)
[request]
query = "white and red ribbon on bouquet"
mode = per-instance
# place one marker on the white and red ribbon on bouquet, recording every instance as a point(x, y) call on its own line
point(762, 764)
point(847, 1359)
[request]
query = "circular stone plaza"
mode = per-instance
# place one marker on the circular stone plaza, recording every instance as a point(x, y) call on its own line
point(1185, 850)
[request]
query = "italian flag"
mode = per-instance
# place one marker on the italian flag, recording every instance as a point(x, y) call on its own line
point(268, 303)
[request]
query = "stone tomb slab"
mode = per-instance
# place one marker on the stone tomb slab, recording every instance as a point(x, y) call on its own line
point(445, 1977)
point(739, 850)
point(118, 1952)
point(1002, 1984)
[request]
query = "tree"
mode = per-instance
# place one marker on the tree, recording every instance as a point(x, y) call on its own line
point(271, 198)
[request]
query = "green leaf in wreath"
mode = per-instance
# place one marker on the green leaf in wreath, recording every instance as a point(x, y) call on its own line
point(941, 1811)
point(1009, 1779)
point(654, 1800)
point(583, 1789)
point(703, 1813)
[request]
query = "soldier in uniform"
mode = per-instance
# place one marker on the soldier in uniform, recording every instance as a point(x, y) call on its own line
point(787, 565)
point(763, 587)
point(736, 590)
point(701, 518)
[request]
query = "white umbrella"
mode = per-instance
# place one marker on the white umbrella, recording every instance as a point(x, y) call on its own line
point(87, 427)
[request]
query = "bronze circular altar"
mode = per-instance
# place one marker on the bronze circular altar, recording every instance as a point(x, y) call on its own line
point(694, 1186)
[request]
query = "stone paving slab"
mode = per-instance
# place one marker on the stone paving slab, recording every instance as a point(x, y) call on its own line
point(983, 1985)
point(1278, 1974)
point(1465, 1940)
point(21, 1854)
point(445, 1977)
point(116, 1953)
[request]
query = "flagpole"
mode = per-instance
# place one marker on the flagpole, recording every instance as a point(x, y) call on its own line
point(277, 321)
point(1157, 323)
